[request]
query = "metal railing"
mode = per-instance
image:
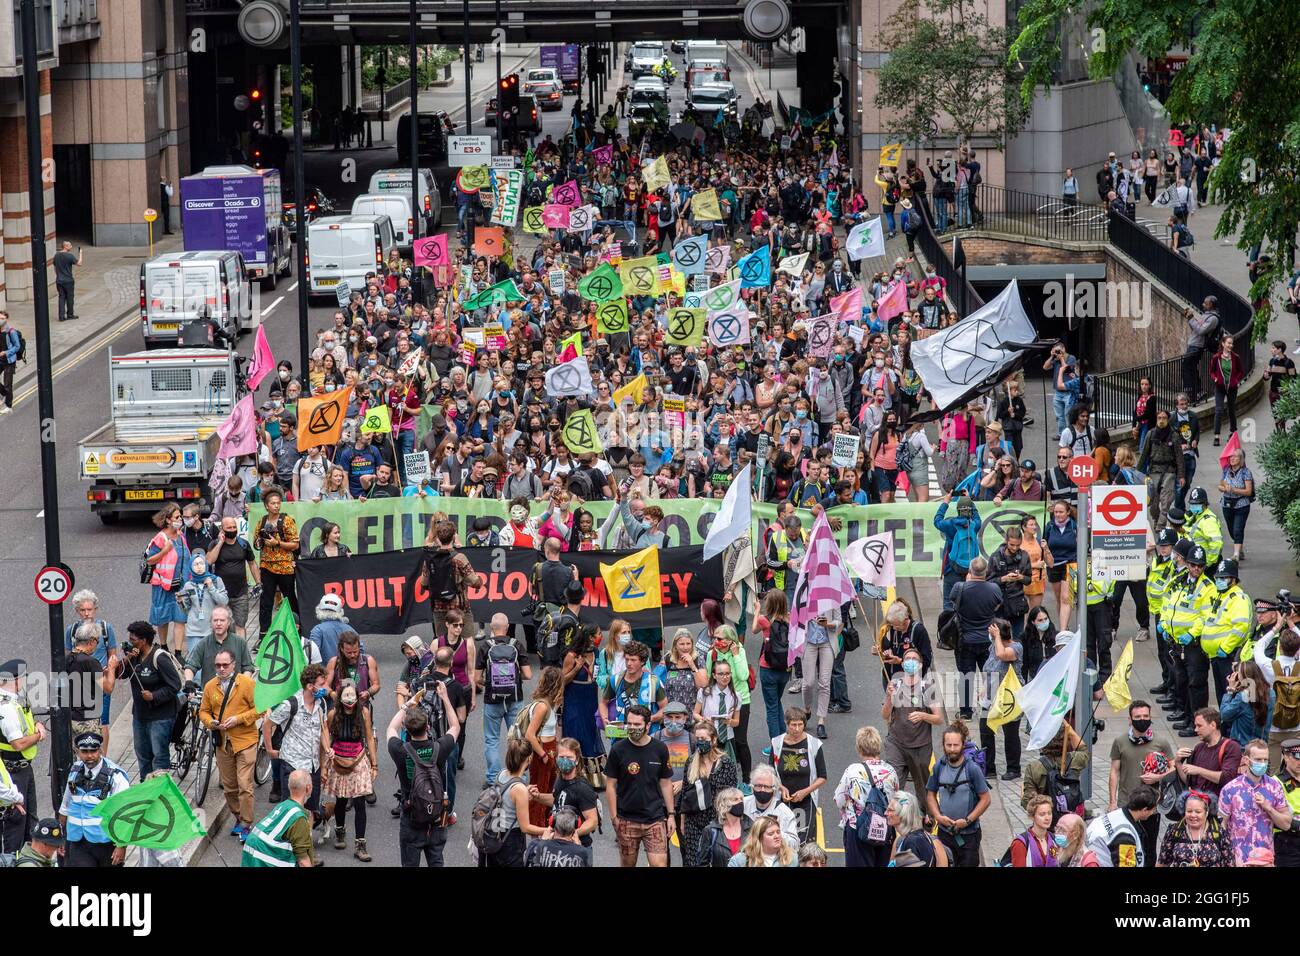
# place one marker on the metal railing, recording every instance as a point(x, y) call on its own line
point(1038, 217)
point(937, 253)
point(1115, 392)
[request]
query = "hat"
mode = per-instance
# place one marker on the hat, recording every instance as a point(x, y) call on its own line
point(12, 669)
point(89, 741)
point(994, 427)
point(1065, 637)
point(675, 707)
point(574, 592)
point(1196, 555)
point(1291, 743)
point(288, 419)
point(330, 602)
point(415, 643)
point(1177, 516)
point(1028, 465)
point(49, 832)
point(905, 203)
point(1166, 537)
point(1228, 569)
point(1182, 548)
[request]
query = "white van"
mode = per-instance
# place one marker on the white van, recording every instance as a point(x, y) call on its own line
point(397, 207)
point(186, 287)
point(399, 181)
point(345, 249)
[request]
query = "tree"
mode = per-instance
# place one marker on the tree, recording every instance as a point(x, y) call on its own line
point(947, 75)
point(1280, 459)
point(1242, 74)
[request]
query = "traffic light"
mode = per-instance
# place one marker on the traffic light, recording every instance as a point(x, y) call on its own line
point(508, 97)
point(255, 96)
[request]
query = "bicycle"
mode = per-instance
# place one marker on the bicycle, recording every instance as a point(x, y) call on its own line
point(262, 765)
point(196, 749)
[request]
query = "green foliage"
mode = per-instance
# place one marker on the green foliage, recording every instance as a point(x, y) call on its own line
point(431, 61)
point(1242, 75)
point(948, 76)
point(1279, 458)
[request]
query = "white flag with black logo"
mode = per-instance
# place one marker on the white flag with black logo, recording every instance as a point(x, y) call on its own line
point(569, 378)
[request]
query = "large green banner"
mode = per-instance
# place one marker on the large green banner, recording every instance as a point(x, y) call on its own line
point(388, 524)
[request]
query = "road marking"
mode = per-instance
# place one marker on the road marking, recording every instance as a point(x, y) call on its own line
point(41, 513)
point(267, 310)
point(291, 288)
point(78, 359)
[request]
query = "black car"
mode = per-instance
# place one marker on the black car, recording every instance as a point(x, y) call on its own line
point(433, 129)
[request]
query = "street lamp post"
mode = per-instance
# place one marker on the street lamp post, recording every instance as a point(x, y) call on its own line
point(469, 115)
point(417, 208)
point(61, 745)
point(496, 42)
point(299, 190)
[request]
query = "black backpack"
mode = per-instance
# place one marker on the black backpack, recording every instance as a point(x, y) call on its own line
point(1066, 792)
point(424, 803)
point(22, 346)
point(561, 639)
point(277, 735)
point(777, 651)
point(442, 576)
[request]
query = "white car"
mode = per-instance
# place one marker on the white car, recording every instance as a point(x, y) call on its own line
point(546, 85)
point(651, 86)
point(644, 58)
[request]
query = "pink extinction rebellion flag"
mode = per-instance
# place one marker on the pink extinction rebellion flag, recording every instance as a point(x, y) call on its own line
point(823, 585)
point(603, 154)
point(893, 302)
point(263, 361)
point(239, 431)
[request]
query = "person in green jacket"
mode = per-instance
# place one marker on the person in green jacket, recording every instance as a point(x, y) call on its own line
point(726, 646)
point(45, 847)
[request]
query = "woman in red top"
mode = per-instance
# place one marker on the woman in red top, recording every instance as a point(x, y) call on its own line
point(1226, 373)
point(1037, 845)
point(403, 400)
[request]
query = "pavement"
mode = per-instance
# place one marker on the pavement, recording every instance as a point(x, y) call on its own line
point(98, 555)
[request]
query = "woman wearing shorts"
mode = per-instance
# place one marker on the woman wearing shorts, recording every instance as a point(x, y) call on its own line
point(884, 457)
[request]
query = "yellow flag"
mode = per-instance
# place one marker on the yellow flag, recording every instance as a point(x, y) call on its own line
point(632, 390)
point(704, 204)
point(1005, 708)
point(574, 340)
point(377, 420)
point(891, 155)
point(656, 174)
point(639, 276)
point(633, 582)
point(580, 434)
point(1116, 686)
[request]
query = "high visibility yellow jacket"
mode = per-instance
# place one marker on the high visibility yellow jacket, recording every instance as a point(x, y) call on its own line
point(1227, 623)
point(1096, 591)
point(1185, 616)
point(1159, 574)
point(1204, 530)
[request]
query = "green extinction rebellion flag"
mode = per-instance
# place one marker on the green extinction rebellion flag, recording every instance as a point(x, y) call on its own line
point(279, 661)
point(505, 291)
point(152, 814)
point(602, 285)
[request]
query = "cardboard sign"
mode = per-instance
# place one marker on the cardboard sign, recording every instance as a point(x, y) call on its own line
point(416, 467)
point(344, 292)
point(555, 279)
point(494, 337)
point(845, 452)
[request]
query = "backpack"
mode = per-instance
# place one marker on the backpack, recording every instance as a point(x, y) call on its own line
point(487, 831)
point(425, 802)
point(1185, 238)
point(1286, 710)
point(277, 735)
point(1065, 791)
point(974, 754)
point(431, 704)
point(777, 651)
point(871, 828)
point(904, 455)
point(21, 355)
point(560, 638)
point(503, 671)
point(442, 576)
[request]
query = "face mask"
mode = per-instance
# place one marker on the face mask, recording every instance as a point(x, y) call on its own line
point(674, 727)
point(624, 640)
point(737, 810)
point(1222, 583)
point(1258, 768)
point(1060, 840)
point(880, 363)
point(349, 699)
point(518, 514)
point(284, 376)
point(911, 667)
point(763, 797)
point(176, 524)
point(321, 693)
point(1043, 625)
point(801, 414)
point(565, 764)
point(839, 360)
point(1195, 509)
point(1142, 726)
point(635, 733)
point(703, 746)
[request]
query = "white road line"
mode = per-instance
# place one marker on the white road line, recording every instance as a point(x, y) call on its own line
point(41, 513)
point(292, 287)
point(267, 310)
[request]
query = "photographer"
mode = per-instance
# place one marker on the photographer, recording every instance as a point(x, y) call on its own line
point(1058, 363)
point(276, 535)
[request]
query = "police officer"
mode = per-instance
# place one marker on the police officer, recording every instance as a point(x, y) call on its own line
point(1203, 527)
point(1176, 708)
point(19, 735)
point(45, 847)
point(1159, 574)
point(1184, 622)
point(1227, 625)
point(1286, 843)
point(1099, 595)
point(93, 779)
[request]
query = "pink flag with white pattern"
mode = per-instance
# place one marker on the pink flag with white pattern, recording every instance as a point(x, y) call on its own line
point(823, 585)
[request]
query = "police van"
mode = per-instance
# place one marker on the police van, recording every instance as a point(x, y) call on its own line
point(346, 248)
point(186, 287)
point(399, 181)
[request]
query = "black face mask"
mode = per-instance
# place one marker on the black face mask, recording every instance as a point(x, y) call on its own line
point(1141, 726)
point(763, 797)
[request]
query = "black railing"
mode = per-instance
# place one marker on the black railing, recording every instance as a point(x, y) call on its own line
point(1116, 391)
point(1038, 217)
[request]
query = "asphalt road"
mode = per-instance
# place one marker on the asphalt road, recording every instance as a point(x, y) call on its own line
point(104, 558)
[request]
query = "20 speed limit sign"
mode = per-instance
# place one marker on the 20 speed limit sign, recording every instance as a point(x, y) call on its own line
point(54, 585)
